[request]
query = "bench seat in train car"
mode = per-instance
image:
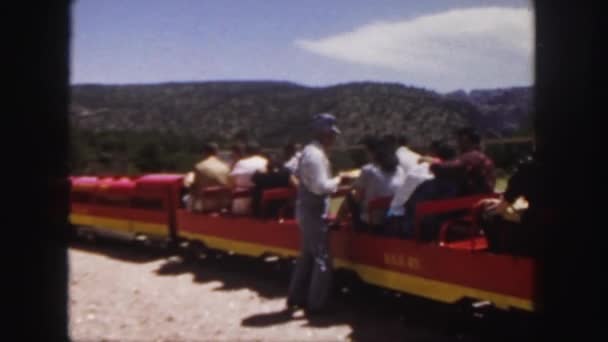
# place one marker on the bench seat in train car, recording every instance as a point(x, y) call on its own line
point(466, 206)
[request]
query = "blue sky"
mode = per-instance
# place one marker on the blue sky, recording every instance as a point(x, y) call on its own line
point(441, 45)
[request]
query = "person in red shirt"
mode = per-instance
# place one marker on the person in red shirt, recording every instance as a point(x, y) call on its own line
point(470, 173)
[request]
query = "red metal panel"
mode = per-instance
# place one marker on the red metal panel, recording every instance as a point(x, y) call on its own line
point(149, 216)
point(270, 233)
point(498, 273)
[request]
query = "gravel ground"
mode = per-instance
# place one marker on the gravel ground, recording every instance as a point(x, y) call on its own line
point(123, 293)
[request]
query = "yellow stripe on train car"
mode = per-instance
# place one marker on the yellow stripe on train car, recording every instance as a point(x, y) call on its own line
point(424, 287)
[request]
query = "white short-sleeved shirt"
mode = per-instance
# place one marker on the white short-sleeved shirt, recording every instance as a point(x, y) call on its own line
point(375, 183)
point(408, 159)
point(244, 169)
point(242, 172)
point(413, 179)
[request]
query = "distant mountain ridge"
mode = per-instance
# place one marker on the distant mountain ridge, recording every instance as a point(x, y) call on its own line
point(502, 111)
point(274, 112)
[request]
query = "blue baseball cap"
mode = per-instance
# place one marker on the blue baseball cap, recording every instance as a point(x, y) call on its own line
point(325, 122)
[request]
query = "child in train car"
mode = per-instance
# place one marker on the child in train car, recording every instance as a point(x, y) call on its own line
point(378, 179)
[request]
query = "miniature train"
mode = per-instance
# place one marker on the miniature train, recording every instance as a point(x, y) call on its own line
point(150, 207)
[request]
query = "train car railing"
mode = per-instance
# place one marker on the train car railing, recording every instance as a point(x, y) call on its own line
point(286, 195)
point(445, 206)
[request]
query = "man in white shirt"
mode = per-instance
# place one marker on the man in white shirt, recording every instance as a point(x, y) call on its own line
point(408, 159)
point(244, 168)
point(241, 174)
point(382, 177)
point(310, 283)
point(417, 175)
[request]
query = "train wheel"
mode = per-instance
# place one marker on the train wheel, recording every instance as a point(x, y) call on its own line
point(142, 240)
point(87, 235)
point(270, 261)
point(172, 245)
point(193, 250)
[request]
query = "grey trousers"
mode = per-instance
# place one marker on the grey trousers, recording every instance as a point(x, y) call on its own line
point(311, 280)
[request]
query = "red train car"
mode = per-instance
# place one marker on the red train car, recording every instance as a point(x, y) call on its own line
point(126, 208)
point(441, 270)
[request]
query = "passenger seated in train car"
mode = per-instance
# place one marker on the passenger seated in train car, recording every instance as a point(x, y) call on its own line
point(408, 159)
point(470, 173)
point(509, 222)
point(473, 171)
point(209, 172)
point(241, 174)
point(439, 151)
point(417, 175)
point(237, 152)
point(378, 179)
point(277, 175)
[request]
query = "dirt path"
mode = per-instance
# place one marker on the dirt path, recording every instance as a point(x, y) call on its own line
point(121, 293)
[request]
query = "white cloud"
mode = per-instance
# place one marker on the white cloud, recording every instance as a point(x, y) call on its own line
point(465, 48)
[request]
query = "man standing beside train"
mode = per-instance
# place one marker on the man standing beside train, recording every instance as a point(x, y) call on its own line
point(311, 280)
